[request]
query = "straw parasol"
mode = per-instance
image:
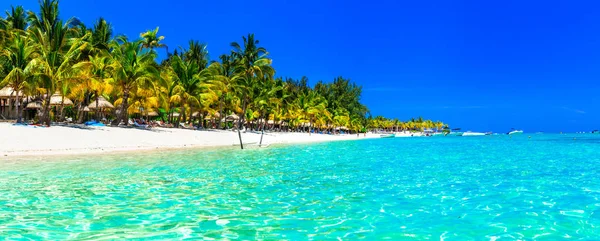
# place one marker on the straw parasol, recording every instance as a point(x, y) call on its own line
point(175, 114)
point(56, 100)
point(213, 116)
point(102, 104)
point(152, 113)
point(34, 105)
point(232, 117)
point(85, 109)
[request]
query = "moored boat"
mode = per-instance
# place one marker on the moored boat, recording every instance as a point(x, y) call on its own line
point(470, 133)
point(515, 132)
point(388, 135)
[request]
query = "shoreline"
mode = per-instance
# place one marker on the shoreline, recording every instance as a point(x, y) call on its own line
point(21, 141)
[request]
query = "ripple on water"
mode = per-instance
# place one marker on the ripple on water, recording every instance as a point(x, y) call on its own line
point(431, 188)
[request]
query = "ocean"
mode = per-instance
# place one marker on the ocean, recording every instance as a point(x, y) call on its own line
point(525, 187)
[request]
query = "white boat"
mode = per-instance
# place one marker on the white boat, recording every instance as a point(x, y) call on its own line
point(515, 132)
point(470, 133)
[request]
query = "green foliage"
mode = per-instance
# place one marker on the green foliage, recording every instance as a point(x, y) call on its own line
point(43, 54)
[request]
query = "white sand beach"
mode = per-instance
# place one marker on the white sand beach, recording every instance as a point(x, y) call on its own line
point(70, 140)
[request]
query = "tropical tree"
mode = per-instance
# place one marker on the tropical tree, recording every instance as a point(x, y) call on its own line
point(251, 65)
point(16, 60)
point(151, 40)
point(133, 70)
point(312, 104)
point(58, 50)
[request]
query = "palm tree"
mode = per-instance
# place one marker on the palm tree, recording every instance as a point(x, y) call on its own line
point(189, 89)
point(94, 76)
point(133, 69)
point(16, 58)
point(101, 35)
point(151, 40)
point(57, 50)
point(312, 104)
point(16, 19)
point(266, 100)
point(251, 64)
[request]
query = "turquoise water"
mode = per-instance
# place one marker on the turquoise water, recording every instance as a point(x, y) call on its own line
point(450, 188)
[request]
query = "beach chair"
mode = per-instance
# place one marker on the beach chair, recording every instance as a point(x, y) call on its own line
point(184, 126)
point(135, 124)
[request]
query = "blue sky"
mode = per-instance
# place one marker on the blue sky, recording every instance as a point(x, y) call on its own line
point(478, 65)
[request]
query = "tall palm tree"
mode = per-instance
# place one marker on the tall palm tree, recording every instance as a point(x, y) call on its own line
point(16, 58)
point(189, 87)
point(251, 64)
point(57, 50)
point(133, 69)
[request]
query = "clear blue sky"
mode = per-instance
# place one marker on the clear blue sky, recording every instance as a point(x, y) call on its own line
point(479, 65)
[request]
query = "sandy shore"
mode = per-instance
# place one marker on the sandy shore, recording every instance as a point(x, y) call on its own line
point(72, 140)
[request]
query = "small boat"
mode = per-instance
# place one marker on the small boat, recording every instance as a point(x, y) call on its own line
point(515, 132)
point(388, 135)
point(455, 133)
point(470, 133)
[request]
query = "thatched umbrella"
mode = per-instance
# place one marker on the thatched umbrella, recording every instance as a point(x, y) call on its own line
point(152, 113)
point(232, 117)
point(102, 104)
point(175, 114)
point(57, 100)
point(85, 109)
point(213, 116)
point(34, 105)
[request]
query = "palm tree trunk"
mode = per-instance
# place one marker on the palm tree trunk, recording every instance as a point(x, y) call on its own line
point(123, 114)
point(46, 113)
point(263, 129)
point(18, 108)
point(62, 107)
point(97, 112)
point(240, 121)
point(220, 113)
point(310, 126)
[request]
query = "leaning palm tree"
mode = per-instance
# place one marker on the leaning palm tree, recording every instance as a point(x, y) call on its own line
point(251, 64)
point(133, 69)
point(16, 58)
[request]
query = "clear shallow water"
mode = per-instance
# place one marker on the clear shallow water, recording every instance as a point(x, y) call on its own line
point(469, 188)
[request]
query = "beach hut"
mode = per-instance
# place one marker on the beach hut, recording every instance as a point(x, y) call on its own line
point(57, 100)
point(101, 104)
point(8, 101)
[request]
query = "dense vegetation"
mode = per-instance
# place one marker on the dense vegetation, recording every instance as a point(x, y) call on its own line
point(44, 55)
